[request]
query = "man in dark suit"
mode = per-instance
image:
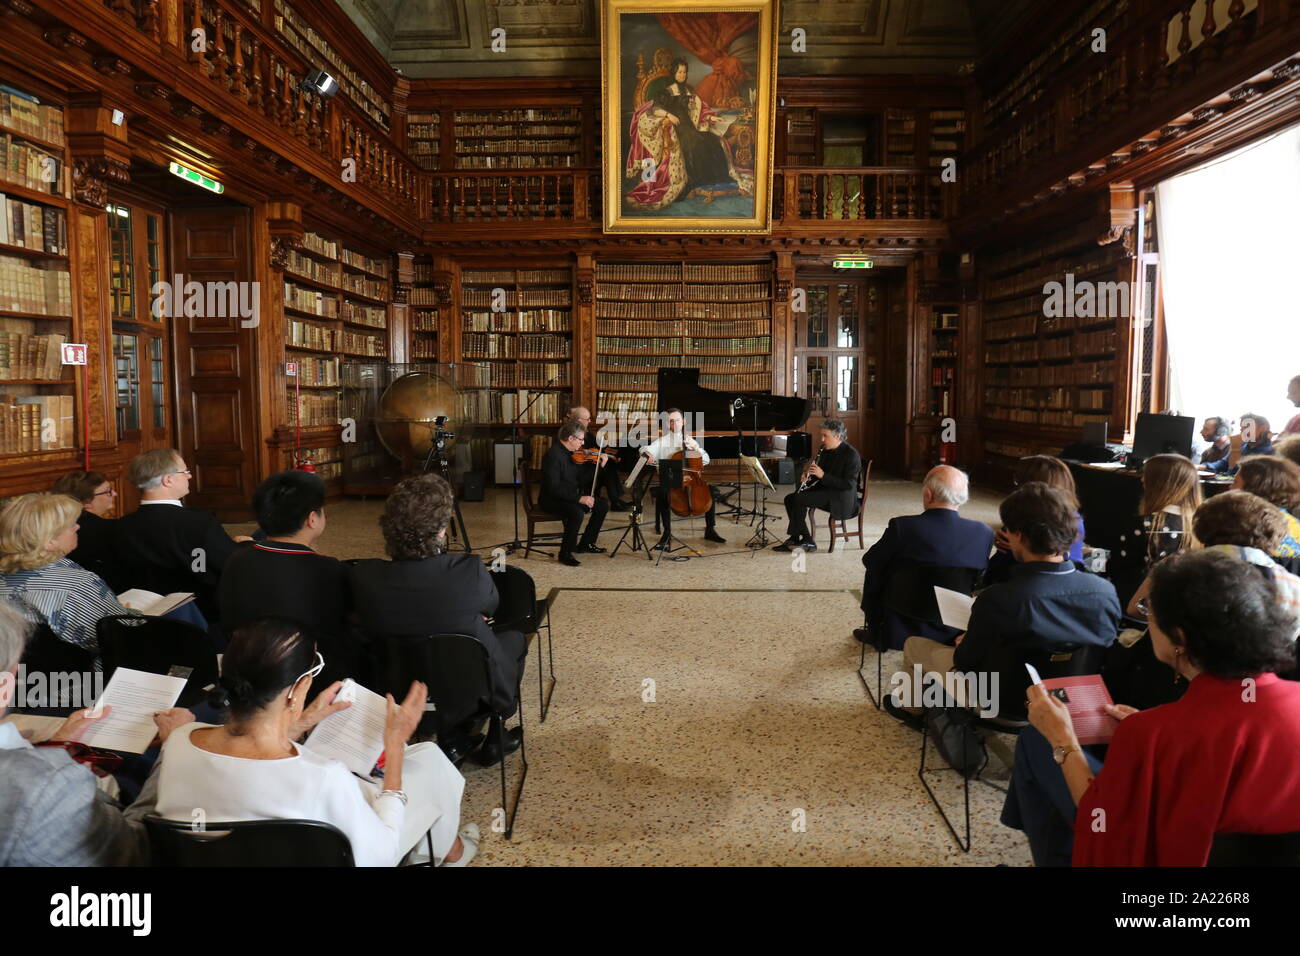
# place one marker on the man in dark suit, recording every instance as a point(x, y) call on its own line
point(562, 495)
point(284, 576)
point(609, 476)
point(939, 537)
point(163, 546)
point(833, 486)
point(1049, 604)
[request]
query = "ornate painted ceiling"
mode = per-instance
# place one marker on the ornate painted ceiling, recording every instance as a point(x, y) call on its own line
point(452, 38)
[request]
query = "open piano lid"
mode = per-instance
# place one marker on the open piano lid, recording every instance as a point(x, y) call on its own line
point(680, 388)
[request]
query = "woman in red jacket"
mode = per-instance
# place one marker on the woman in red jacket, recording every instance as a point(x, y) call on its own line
point(1225, 758)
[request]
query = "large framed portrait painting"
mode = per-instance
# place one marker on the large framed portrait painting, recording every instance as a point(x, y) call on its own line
point(689, 102)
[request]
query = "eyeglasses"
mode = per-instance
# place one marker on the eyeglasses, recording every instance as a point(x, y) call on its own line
point(187, 473)
point(100, 494)
point(320, 666)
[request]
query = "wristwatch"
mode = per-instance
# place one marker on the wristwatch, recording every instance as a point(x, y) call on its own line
point(1060, 753)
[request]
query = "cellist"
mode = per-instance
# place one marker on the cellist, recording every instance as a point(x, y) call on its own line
point(666, 445)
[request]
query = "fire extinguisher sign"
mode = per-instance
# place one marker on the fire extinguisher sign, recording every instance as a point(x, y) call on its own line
point(291, 369)
point(74, 354)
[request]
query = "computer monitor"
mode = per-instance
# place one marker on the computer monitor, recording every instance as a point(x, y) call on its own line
point(1095, 433)
point(1163, 434)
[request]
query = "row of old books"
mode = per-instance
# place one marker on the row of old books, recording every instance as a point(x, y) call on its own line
point(673, 310)
point(533, 320)
point(722, 363)
point(315, 408)
point(34, 288)
point(677, 345)
point(25, 115)
point(33, 226)
point(372, 315)
point(502, 407)
point(30, 166)
point(317, 371)
point(701, 328)
point(312, 301)
point(358, 343)
point(506, 298)
point(31, 423)
point(27, 355)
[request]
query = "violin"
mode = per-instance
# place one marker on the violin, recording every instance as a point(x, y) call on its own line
point(589, 456)
point(694, 498)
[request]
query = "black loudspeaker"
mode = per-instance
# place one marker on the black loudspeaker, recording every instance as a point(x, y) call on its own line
point(472, 486)
point(798, 446)
point(784, 471)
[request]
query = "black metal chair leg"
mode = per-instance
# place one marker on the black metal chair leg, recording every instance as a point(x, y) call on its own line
point(512, 810)
point(878, 696)
point(544, 696)
point(965, 845)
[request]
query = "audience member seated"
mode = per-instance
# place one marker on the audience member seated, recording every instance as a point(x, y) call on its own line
point(1050, 471)
point(1277, 481)
point(1048, 603)
point(37, 532)
point(1293, 396)
point(52, 813)
point(1217, 435)
point(283, 576)
point(936, 538)
point(164, 546)
point(1256, 439)
point(1288, 448)
point(1225, 758)
point(424, 590)
point(1171, 493)
point(253, 768)
point(94, 550)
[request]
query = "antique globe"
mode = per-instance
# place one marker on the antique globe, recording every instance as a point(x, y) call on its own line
point(408, 410)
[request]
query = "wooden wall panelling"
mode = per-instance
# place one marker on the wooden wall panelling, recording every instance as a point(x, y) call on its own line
point(215, 378)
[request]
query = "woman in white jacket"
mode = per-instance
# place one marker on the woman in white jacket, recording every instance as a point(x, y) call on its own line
point(252, 767)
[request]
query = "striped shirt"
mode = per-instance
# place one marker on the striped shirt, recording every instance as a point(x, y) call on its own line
point(64, 596)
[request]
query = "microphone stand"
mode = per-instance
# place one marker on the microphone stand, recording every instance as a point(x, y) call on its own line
point(515, 544)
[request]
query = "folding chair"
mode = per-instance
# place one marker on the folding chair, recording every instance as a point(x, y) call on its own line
point(1070, 661)
point(247, 843)
point(458, 673)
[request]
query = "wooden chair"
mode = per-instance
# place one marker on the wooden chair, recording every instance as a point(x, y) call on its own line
point(534, 513)
point(844, 530)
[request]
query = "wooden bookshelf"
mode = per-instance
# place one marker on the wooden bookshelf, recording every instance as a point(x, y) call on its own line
point(424, 139)
point(517, 331)
point(944, 328)
point(518, 138)
point(38, 403)
point(424, 313)
point(801, 136)
point(716, 317)
point(1045, 376)
point(336, 302)
point(296, 31)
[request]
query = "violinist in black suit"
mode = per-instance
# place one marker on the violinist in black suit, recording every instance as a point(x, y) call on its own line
point(830, 483)
point(608, 478)
point(564, 495)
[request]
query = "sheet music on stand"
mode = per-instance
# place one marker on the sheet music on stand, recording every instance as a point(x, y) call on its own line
point(756, 470)
point(636, 471)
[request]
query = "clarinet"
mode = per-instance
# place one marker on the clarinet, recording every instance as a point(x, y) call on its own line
point(808, 480)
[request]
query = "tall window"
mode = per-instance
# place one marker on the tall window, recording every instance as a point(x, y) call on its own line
point(1228, 263)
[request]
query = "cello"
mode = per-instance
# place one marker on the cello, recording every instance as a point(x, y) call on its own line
point(694, 498)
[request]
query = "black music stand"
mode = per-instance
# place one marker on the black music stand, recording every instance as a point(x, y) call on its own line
point(670, 479)
point(515, 544)
point(634, 520)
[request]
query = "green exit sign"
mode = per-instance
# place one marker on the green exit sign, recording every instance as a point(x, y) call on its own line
point(195, 177)
point(853, 264)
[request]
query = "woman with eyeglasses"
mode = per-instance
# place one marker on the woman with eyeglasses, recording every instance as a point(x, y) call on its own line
point(37, 533)
point(253, 768)
point(98, 500)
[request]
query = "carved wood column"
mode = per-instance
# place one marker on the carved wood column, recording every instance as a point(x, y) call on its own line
point(400, 342)
point(584, 333)
point(277, 231)
point(446, 292)
point(100, 157)
point(782, 324)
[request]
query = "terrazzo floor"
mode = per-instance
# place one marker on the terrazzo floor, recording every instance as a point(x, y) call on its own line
point(708, 712)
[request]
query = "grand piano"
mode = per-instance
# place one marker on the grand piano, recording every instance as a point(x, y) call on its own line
point(733, 422)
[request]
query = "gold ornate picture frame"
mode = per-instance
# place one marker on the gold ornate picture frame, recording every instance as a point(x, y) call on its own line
point(689, 110)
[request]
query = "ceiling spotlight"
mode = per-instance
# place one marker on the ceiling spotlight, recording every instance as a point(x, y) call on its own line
point(318, 81)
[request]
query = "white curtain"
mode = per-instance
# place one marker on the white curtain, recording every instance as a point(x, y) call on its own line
point(1230, 261)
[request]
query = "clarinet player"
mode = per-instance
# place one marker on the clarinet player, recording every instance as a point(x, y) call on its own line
point(830, 483)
